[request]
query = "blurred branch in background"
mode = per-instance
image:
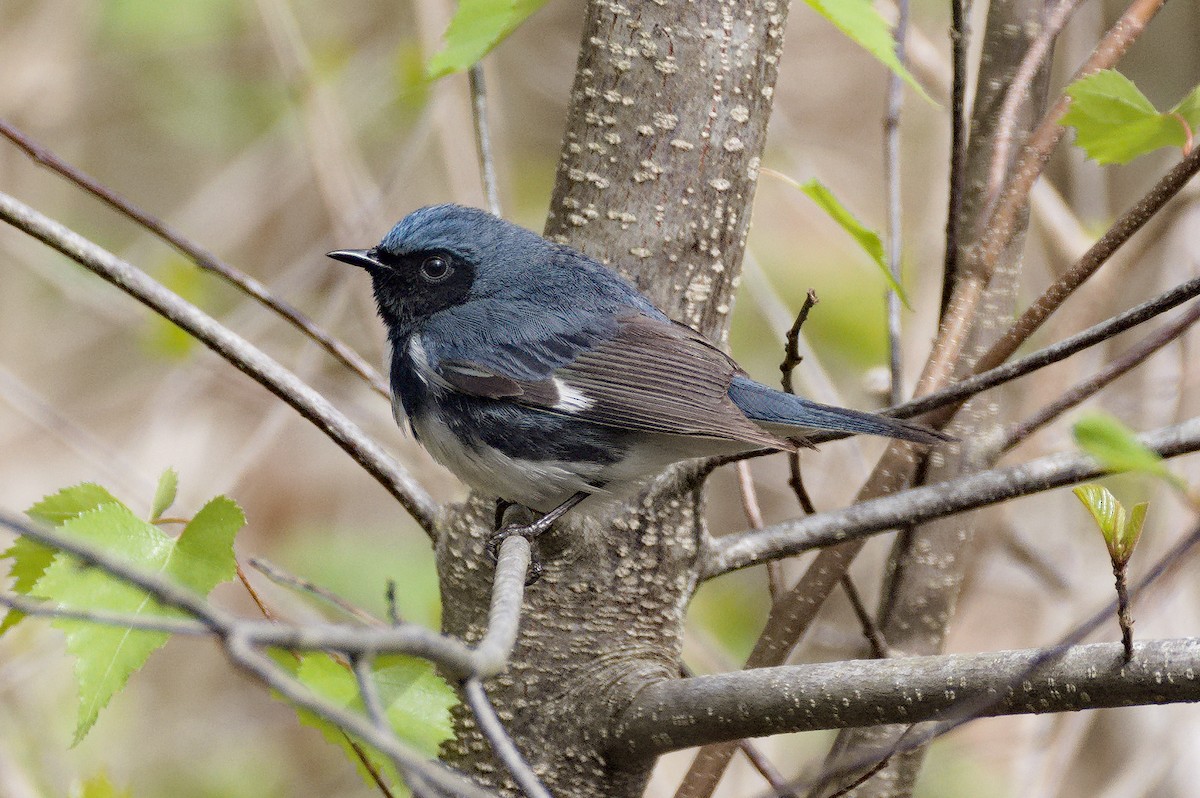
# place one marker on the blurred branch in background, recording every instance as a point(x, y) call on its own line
point(243, 355)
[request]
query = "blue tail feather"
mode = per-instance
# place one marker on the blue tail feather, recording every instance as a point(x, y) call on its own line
point(769, 406)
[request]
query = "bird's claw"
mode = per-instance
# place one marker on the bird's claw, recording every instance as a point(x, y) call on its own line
point(528, 531)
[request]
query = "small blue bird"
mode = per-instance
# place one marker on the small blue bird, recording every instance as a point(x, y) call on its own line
point(538, 375)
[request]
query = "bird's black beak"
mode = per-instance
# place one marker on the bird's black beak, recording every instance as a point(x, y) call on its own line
point(364, 258)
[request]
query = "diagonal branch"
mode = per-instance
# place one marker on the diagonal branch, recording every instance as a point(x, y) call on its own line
point(200, 256)
point(927, 502)
point(235, 349)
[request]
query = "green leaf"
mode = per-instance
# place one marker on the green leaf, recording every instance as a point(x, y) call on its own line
point(859, 20)
point(164, 494)
point(29, 558)
point(867, 238)
point(29, 561)
point(1117, 448)
point(477, 27)
point(1121, 533)
point(68, 503)
point(416, 700)
point(1114, 122)
point(106, 656)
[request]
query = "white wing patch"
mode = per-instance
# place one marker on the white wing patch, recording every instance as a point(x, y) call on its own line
point(570, 399)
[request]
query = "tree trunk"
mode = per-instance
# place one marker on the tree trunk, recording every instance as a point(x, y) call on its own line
point(667, 123)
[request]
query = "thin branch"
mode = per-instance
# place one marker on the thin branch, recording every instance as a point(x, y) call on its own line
point(927, 502)
point(199, 256)
point(765, 768)
point(1129, 223)
point(46, 609)
point(281, 577)
point(239, 352)
point(483, 139)
point(502, 744)
point(958, 146)
point(361, 665)
point(486, 659)
point(983, 704)
point(429, 771)
point(1119, 366)
point(891, 173)
point(960, 391)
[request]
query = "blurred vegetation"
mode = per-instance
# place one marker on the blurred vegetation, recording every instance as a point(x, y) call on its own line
point(273, 131)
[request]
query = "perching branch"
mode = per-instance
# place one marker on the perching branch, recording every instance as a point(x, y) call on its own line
point(927, 502)
point(235, 349)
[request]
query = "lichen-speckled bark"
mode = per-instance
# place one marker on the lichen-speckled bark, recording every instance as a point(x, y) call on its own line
point(661, 154)
point(667, 122)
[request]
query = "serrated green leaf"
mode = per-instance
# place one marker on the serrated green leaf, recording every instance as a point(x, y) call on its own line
point(29, 561)
point(164, 494)
point(1114, 122)
point(106, 656)
point(866, 238)
point(1117, 448)
point(859, 20)
point(68, 503)
point(477, 27)
point(98, 786)
point(416, 700)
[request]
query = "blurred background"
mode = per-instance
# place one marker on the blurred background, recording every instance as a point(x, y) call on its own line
point(274, 131)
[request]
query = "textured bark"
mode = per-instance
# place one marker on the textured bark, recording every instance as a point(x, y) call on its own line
point(929, 562)
point(667, 123)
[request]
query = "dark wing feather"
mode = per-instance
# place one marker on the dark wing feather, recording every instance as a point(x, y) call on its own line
point(648, 374)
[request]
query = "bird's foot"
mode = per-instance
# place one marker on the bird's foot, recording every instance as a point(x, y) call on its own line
point(529, 531)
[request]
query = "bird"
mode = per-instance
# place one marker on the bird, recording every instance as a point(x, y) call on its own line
point(539, 375)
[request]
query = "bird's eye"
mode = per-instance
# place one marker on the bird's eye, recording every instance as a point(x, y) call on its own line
point(436, 268)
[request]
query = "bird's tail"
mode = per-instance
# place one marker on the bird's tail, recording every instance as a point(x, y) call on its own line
point(769, 406)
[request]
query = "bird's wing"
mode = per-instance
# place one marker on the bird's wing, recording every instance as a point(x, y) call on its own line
point(644, 373)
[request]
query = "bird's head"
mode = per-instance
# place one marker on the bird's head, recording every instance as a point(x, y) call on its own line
point(442, 256)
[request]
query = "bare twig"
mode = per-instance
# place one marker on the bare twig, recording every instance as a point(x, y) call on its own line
point(199, 256)
point(986, 702)
point(958, 146)
point(430, 771)
point(361, 665)
point(502, 744)
point(931, 501)
point(281, 577)
point(1111, 371)
point(483, 139)
point(1129, 223)
point(964, 389)
point(239, 352)
point(891, 173)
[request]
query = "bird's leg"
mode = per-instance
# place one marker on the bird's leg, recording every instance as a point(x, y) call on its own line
point(502, 506)
point(531, 531)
